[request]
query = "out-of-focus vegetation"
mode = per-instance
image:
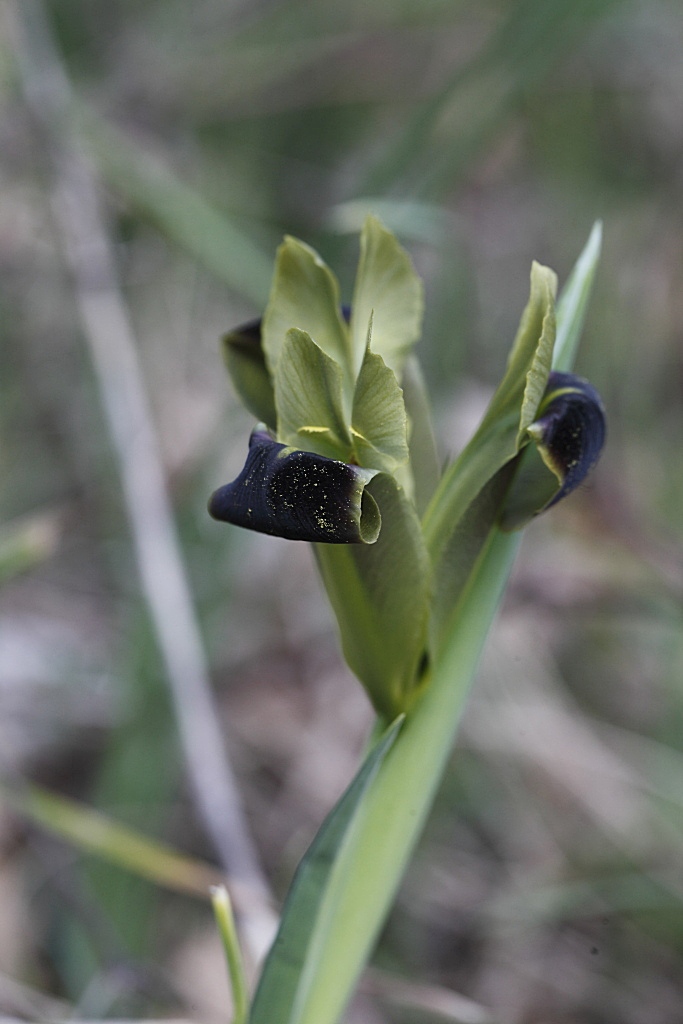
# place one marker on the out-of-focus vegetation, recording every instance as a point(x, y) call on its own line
point(548, 885)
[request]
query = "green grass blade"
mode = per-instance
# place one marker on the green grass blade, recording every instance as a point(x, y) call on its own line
point(179, 210)
point(225, 920)
point(26, 543)
point(95, 833)
point(295, 956)
point(529, 42)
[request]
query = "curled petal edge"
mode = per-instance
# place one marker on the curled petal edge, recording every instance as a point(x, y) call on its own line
point(568, 434)
point(290, 493)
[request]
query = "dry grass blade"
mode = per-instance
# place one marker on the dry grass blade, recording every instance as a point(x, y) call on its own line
point(22, 1002)
point(434, 1001)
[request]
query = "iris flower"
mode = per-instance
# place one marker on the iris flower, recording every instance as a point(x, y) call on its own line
point(343, 454)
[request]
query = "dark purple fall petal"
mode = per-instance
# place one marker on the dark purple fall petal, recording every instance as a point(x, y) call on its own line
point(294, 494)
point(246, 364)
point(570, 430)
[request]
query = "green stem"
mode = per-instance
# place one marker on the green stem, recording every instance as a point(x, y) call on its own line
point(396, 805)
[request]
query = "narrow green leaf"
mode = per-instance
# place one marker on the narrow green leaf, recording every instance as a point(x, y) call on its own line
point(378, 423)
point(305, 294)
point(309, 399)
point(388, 290)
point(210, 234)
point(380, 595)
point(421, 222)
point(293, 958)
point(246, 364)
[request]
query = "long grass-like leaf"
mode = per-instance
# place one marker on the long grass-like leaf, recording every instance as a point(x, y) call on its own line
point(308, 915)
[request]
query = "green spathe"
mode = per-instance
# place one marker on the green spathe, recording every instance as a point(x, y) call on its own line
point(382, 601)
point(470, 481)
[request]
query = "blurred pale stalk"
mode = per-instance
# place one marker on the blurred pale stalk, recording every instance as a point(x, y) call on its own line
point(81, 225)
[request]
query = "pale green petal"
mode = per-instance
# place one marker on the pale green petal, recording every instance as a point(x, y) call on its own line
point(304, 294)
point(309, 399)
point(541, 304)
point(387, 289)
point(378, 425)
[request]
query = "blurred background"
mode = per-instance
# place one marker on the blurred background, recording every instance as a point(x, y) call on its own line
point(549, 884)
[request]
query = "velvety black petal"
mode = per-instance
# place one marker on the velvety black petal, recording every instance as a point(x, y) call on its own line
point(295, 494)
point(570, 430)
point(567, 438)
